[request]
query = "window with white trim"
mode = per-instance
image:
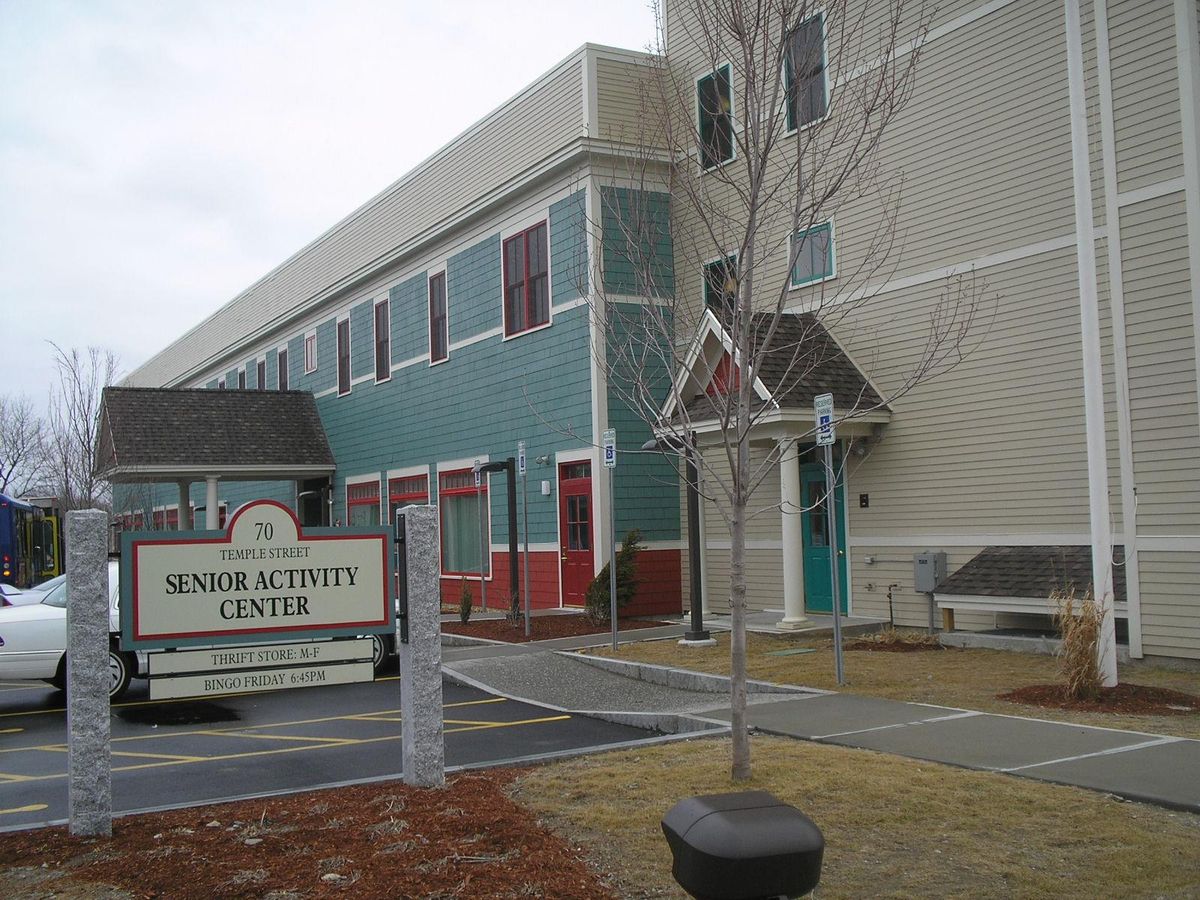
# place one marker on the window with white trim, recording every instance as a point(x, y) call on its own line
point(260, 375)
point(459, 503)
point(242, 378)
point(383, 341)
point(220, 384)
point(804, 73)
point(310, 352)
point(439, 332)
point(720, 286)
point(526, 280)
point(714, 107)
point(814, 259)
point(343, 357)
point(281, 367)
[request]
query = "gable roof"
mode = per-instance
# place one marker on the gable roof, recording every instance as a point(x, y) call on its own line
point(1002, 571)
point(164, 434)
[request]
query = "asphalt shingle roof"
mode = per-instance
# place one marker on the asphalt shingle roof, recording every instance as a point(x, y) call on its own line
point(197, 427)
point(1031, 572)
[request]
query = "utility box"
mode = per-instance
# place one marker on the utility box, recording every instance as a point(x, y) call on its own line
point(743, 846)
point(929, 568)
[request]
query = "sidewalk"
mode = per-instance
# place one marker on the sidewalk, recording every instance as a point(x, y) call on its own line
point(1139, 766)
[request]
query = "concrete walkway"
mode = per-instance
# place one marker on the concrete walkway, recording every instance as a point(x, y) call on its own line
point(1137, 766)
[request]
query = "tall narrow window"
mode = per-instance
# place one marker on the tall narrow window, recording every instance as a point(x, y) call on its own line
point(310, 352)
point(714, 104)
point(720, 286)
point(459, 506)
point(362, 503)
point(260, 375)
point(383, 342)
point(343, 356)
point(281, 365)
point(220, 384)
point(814, 255)
point(407, 490)
point(526, 281)
point(439, 335)
point(242, 378)
point(804, 73)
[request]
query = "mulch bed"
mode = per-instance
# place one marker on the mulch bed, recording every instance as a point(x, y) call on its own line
point(380, 840)
point(541, 628)
point(1136, 699)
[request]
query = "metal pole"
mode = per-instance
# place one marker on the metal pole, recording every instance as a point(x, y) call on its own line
point(693, 525)
point(484, 545)
point(514, 596)
point(831, 515)
point(612, 550)
point(525, 534)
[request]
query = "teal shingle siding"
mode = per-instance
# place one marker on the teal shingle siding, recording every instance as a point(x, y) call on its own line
point(473, 290)
point(410, 313)
point(272, 373)
point(636, 238)
point(568, 248)
point(362, 340)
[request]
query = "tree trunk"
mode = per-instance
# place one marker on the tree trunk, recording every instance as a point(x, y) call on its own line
point(737, 637)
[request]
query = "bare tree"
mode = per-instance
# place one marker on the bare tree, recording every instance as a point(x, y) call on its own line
point(75, 426)
point(22, 440)
point(783, 130)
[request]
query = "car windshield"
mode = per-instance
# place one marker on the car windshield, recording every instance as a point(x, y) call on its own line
point(47, 586)
point(57, 597)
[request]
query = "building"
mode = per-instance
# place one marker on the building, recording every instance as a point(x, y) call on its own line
point(463, 309)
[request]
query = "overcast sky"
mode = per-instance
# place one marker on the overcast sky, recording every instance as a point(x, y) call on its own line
point(157, 157)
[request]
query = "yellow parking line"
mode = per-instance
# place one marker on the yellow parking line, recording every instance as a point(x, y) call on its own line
point(373, 717)
point(476, 726)
point(11, 730)
point(32, 807)
point(280, 737)
point(175, 757)
point(7, 778)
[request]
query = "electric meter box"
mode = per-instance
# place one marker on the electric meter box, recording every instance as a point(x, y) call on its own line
point(929, 568)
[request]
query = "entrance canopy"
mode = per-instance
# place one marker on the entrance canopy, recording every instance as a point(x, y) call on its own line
point(198, 434)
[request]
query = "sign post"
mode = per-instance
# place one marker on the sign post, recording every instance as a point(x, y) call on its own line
point(610, 463)
point(522, 470)
point(826, 436)
point(484, 544)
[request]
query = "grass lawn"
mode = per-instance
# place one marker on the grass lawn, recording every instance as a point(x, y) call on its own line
point(969, 679)
point(893, 827)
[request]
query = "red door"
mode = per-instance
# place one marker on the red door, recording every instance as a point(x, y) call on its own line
point(575, 530)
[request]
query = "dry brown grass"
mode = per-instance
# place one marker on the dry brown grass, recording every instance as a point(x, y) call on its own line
point(969, 679)
point(893, 827)
point(1079, 621)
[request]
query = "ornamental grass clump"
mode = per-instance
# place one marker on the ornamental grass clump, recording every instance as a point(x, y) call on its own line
point(1079, 621)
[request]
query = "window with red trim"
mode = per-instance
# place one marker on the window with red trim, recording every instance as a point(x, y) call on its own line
point(362, 503)
point(459, 503)
point(726, 378)
point(439, 334)
point(407, 491)
point(526, 281)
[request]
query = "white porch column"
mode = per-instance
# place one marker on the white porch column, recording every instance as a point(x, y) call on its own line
point(185, 506)
point(212, 515)
point(791, 504)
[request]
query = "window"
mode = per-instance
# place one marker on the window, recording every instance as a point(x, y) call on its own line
point(343, 356)
point(439, 335)
point(362, 503)
point(383, 342)
point(260, 373)
point(804, 73)
point(281, 359)
point(720, 286)
point(406, 491)
point(310, 352)
point(526, 281)
point(814, 259)
point(459, 507)
point(726, 378)
point(714, 104)
point(220, 384)
point(241, 379)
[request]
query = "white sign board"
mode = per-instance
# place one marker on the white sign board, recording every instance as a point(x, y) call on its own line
point(263, 579)
point(823, 407)
point(226, 658)
point(520, 457)
point(242, 682)
point(610, 448)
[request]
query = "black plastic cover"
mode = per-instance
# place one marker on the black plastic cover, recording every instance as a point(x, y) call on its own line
point(743, 846)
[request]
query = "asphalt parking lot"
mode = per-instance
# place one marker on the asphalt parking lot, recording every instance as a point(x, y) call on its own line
point(187, 752)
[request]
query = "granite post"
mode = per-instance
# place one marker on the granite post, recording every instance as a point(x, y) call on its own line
point(422, 731)
point(89, 759)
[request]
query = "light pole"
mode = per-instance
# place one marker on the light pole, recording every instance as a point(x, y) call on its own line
point(697, 636)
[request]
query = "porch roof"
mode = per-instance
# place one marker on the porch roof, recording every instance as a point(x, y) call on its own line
point(1005, 571)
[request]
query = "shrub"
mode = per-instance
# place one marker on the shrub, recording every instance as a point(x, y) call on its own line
point(465, 602)
point(1079, 620)
point(627, 580)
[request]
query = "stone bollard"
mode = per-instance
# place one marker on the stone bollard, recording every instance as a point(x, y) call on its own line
point(89, 751)
point(422, 731)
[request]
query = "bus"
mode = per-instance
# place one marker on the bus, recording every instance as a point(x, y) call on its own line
point(29, 543)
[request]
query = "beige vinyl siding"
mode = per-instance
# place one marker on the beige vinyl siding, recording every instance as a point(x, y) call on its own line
point(514, 139)
point(623, 87)
point(1162, 366)
point(1145, 90)
point(894, 565)
point(764, 580)
point(1170, 603)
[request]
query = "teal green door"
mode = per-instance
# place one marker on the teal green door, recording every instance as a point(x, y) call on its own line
point(818, 586)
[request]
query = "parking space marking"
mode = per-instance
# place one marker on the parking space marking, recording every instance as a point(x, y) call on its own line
point(8, 778)
point(32, 807)
point(11, 730)
point(479, 726)
point(281, 737)
point(175, 757)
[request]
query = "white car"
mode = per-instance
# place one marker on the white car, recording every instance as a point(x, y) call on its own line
point(33, 639)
